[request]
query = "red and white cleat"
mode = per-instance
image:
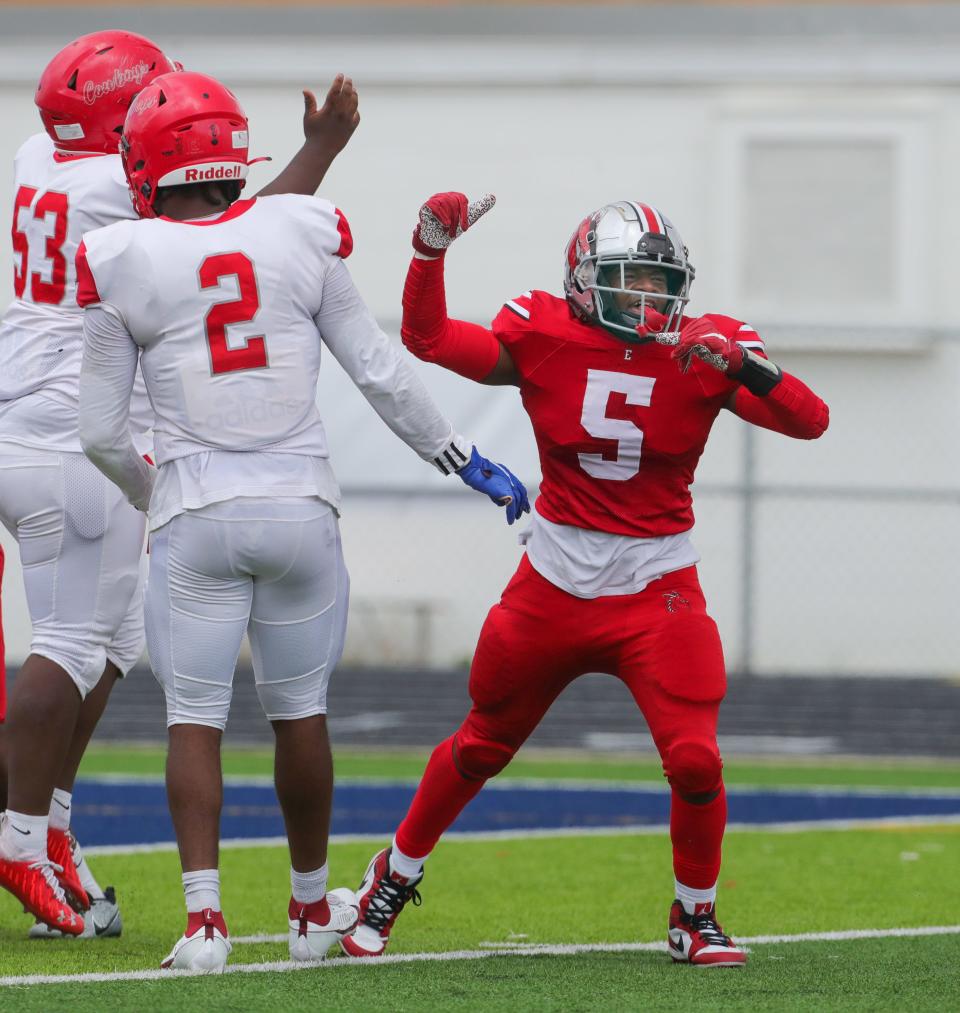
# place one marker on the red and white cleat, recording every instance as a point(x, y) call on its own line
point(314, 928)
point(698, 939)
point(60, 845)
point(35, 886)
point(382, 896)
point(204, 946)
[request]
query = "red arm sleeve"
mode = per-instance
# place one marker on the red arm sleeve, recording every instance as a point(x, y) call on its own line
point(790, 408)
point(427, 331)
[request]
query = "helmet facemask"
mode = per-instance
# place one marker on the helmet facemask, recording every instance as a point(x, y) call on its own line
point(604, 257)
point(622, 307)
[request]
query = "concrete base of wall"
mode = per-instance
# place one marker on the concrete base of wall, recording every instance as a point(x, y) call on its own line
point(392, 708)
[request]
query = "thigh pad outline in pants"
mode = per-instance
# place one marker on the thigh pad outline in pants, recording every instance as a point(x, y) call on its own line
point(198, 605)
point(80, 545)
point(522, 663)
point(127, 646)
point(299, 615)
point(680, 685)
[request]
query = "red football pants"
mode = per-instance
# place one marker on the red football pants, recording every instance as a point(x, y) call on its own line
point(661, 643)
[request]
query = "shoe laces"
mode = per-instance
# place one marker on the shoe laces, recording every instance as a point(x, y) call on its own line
point(387, 902)
point(705, 925)
point(48, 870)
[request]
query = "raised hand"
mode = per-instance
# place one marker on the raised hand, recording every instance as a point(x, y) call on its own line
point(333, 124)
point(445, 217)
point(700, 339)
point(497, 482)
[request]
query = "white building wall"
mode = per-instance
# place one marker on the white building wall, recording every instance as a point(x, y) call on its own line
point(847, 581)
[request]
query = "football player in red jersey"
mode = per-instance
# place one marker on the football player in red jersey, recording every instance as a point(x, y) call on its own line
point(80, 542)
point(622, 390)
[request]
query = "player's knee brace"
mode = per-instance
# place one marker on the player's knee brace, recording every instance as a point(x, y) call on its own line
point(694, 768)
point(478, 759)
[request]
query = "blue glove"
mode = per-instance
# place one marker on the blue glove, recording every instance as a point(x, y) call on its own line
point(500, 484)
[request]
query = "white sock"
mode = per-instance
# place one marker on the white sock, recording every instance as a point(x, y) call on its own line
point(404, 865)
point(201, 890)
point(309, 887)
point(23, 838)
point(690, 898)
point(60, 809)
point(86, 876)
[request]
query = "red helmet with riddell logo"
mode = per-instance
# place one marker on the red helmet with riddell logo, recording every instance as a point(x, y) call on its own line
point(182, 128)
point(86, 89)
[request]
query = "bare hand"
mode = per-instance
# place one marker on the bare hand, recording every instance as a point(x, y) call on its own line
point(333, 124)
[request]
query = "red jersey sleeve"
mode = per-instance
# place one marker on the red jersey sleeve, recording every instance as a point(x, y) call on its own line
point(526, 327)
point(87, 294)
point(711, 380)
point(741, 332)
point(346, 236)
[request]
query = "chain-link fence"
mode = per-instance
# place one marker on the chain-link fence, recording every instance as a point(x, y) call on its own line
point(804, 578)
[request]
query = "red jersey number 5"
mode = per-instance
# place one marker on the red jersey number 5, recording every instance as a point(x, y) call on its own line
point(600, 385)
point(252, 354)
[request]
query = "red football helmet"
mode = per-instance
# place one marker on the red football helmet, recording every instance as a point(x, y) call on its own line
point(601, 251)
point(182, 128)
point(86, 89)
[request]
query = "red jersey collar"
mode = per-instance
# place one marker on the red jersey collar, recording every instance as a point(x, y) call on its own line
point(73, 156)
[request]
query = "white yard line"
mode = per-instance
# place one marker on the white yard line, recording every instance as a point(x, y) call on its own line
point(263, 937)
point(884, 822)
point(511, 950)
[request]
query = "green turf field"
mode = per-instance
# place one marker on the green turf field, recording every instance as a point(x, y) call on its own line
point(573, 890)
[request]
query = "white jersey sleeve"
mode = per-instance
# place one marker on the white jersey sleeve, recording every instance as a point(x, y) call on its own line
point(106, 381)
point(383, 375)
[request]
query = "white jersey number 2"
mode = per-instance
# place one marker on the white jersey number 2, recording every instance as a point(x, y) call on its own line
point(252, 354)
point(629, 437)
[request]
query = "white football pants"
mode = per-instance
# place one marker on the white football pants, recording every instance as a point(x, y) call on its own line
point(270, 568)
point(81, 545)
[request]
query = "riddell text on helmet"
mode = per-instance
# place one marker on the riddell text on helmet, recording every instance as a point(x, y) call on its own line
point(220, 172)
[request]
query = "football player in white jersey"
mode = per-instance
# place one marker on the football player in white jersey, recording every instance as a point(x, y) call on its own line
point(225, 303)
point(80, 541)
